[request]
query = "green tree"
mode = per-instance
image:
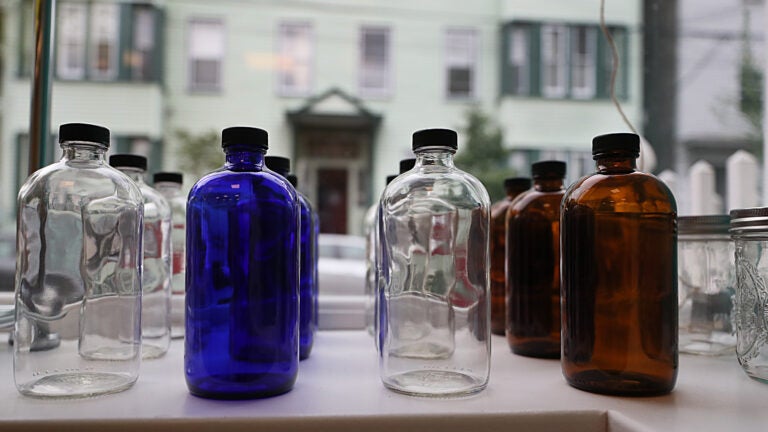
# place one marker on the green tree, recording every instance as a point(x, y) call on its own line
point(483, 154)
point(198, 154)
point(751, 91)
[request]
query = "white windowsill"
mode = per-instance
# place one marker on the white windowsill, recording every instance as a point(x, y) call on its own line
point(339, 389)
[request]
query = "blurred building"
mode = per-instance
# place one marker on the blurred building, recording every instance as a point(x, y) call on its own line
point(339, 84)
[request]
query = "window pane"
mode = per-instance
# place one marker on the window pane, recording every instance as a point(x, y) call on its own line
point(295, 58)
point(143, 43)
point(374, 61)
point(553, 57)
point(583, 52)
point(206, 50)
point(460, 58)
point(518, 59)
point(104, 35)
point(71, 41)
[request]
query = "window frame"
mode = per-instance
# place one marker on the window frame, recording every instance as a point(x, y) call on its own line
point(194, 86)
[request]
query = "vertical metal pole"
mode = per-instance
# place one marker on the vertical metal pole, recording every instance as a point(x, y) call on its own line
point(40, 116)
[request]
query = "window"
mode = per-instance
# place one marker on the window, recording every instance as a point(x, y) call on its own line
point(70, 60)
point(142, 61)
point(583, 56)
point(206, 52)
point(620, 39)
point(553, 60)
point(104, 40)
point(518, 55)
point(295, 59)
point(461, 62)
point(374, 61)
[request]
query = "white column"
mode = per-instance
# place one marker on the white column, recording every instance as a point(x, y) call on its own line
point(704, 199)
point(742, 180)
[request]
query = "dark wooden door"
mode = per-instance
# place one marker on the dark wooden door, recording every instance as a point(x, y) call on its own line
point(332, 200)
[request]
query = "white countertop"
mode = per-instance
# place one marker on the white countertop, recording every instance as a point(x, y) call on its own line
point(339, 389)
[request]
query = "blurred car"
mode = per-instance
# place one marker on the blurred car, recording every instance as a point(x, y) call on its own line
point(341, 264)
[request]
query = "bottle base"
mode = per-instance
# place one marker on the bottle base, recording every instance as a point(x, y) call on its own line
point(238, 394)
point(619, 383)
point(757, 373)
point(77, 385)
point(435, 383)
point(537, 349)
point(149, 352)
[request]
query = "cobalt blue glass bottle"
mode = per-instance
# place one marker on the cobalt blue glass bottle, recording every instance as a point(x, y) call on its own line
point(242, 303)
point(282, 166)
point(315, 236)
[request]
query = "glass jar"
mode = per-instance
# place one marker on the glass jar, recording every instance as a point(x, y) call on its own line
point(513, 187)
point(156, 273)
point(369, 230)
point(749, 231)
point(434, 324)
point(533, 264)
point(78, 273)
point(619, 276)
point(706, 285)
point(169, 185)
point(242, 300)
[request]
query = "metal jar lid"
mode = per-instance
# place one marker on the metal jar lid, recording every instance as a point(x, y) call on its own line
point(749, 221)
point(707, 224)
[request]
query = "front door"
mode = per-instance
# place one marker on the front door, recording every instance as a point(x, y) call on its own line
point(332, 200)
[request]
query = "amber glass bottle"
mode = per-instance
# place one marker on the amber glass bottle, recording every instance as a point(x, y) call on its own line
point(619, 265)
point(533, 264)
point(513, 186)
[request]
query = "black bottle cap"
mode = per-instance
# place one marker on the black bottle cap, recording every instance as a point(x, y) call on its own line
point(407, 165)
point(84, 132)
point(517, 183)
point(550, 168)
point(621, 142)
point(252, 137)
point(390, 178)
point(128, 161)
point(293, 180)
point(170, 177)
point(445, 138)
point(278, 164)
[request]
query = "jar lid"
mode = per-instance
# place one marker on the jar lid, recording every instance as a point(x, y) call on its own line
point(435, 138)
point(407, 165)
point(616, 142)
point(549, 168)
point(128, 161)
point(169, 177)
point(84, 132)
point(278, 164)
point(749, 219)
point(250, 137)
point(706, 224)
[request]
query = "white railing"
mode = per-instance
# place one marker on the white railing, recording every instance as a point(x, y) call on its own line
point(696, 193)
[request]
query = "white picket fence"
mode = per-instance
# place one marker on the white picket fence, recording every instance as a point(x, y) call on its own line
point(696, 194)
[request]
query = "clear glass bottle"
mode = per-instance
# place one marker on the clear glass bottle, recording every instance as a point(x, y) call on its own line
point(242, 300)
point(369, 230)
point(169, 185)
point(513, 187)
point(156, 276)
point(78, 273)
point(619, 276)
point(434, 305)
point(706, 285)
point(533, 264)
point(749, 231)
point(282, 166)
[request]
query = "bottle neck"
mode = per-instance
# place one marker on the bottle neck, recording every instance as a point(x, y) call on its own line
point(168, 187)
point(135, 174)
point(437, 157)
point(548, 184)
point(241, 159)
point(84, 152)
point(616, 164)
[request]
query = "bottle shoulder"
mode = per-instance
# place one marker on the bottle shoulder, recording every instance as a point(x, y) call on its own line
point(538, 202)
point(65, 179)
point(454, 187)
point(155, 202)
point(631, 192)
point(225, 185)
